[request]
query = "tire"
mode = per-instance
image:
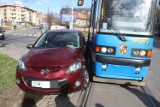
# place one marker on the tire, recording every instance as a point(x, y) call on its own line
point(86, 81)
point(2, 37)
point(90, 69)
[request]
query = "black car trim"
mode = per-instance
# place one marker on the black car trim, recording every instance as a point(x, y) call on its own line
point(122, 61)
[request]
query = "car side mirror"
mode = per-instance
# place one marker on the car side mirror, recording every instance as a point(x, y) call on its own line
point(29, 46)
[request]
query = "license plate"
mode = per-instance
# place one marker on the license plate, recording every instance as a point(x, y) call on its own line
point(41, 84)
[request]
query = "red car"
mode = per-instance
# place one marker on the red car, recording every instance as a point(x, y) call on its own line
point(55, 63)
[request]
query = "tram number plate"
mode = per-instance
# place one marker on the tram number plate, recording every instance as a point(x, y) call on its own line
point(41, 84)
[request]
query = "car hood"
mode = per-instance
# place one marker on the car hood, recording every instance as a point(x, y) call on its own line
point(51, 57)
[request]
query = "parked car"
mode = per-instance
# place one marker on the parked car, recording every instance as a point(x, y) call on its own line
point(37, 27)
point(58, 27)
point(55, 63)
point(2, 33)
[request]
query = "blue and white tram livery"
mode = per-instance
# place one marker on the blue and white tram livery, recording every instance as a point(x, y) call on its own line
point(121, 39)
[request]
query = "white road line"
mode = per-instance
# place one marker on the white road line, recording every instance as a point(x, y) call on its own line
point(15, 34)
point(29, 34)
point(35, 35)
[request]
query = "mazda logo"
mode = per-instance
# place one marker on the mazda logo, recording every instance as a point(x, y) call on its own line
point(45, 71)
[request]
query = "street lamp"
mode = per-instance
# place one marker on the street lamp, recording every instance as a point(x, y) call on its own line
point(72, 14)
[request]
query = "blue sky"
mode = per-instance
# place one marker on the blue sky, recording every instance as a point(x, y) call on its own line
point(42, 5)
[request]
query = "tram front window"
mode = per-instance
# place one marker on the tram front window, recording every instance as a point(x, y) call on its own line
point(127, 16)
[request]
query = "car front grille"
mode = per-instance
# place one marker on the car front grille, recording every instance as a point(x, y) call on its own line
point(51, 69)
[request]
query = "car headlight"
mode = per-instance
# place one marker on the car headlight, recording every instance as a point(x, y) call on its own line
point(74, 67)
point(1, 33)
point(21, 66)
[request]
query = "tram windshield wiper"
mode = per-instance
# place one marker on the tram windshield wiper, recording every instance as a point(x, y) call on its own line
point(120, 36)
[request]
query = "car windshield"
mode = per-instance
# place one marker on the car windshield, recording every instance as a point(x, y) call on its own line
point(128, 16)
point(58, 39)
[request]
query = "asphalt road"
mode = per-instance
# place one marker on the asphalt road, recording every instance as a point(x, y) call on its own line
point(101, 95)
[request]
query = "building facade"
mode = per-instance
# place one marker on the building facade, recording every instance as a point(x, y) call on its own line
point(82, 17)
point(17, 15)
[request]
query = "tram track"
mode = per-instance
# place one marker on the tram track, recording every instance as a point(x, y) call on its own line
point(148, 95)
point(84, 96)
point(83, 99)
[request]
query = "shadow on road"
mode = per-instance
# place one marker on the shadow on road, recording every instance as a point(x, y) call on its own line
point(99, 105)
point(30, 100)
point(141, 96)
point(63, 100)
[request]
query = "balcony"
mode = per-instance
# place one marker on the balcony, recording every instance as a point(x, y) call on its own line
point(23, 17)
point(13, 16)
point(13, 9)
point(13, 13)
point(23, 10)
point(22, 14)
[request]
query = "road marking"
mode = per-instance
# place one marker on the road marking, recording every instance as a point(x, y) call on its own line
point(29, 34)
point(15, 34)
point(34, 35)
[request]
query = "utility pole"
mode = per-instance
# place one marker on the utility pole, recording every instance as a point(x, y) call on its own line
point(72, 14)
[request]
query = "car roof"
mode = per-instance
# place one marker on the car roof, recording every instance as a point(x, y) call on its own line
point(65, 30)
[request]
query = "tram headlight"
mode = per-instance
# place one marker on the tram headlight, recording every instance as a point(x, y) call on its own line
point(135, 53)
point(110, 50)
point(141, 53)
point(105, 50)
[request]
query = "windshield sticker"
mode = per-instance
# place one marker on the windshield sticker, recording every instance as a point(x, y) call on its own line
point(144, 41)
point(123, 49)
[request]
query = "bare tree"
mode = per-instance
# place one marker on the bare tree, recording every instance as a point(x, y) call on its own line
point(50, 18)
point(66, 10)
point(56, 19)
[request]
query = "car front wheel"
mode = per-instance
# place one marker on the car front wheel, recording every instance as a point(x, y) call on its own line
point(2, 37)
point(86, 81)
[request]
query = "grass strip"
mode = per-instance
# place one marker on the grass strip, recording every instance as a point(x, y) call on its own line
point(7, 71)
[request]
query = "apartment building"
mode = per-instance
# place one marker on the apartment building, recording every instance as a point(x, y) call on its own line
point(17, 15)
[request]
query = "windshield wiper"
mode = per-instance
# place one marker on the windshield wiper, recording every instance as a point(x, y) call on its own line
point(120, 36)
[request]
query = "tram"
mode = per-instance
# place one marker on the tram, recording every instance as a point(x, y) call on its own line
point(120, 40)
